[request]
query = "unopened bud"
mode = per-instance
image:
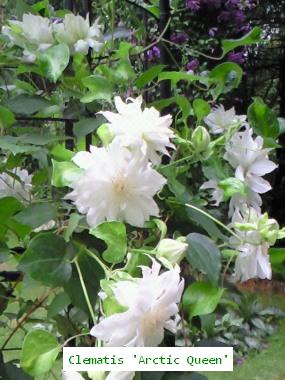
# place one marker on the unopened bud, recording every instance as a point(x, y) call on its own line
point(200, 139)
point(171, 250)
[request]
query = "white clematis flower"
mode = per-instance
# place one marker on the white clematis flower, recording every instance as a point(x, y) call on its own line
point(71, 375)
point(76, 32)
point(19, 187)
point(135, 127)
point(250, 160)
point(115, 185)
point(122, 375)
point(253, 262)
point(98, 375)
point(33, 33)
point(220, 120)
point(152, 307)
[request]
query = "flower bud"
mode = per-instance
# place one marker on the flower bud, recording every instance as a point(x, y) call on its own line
point(105, 134)
point(171, 251)
point(98, 375)
point(201, 139)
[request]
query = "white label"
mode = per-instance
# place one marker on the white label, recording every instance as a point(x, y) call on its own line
point(148, 359)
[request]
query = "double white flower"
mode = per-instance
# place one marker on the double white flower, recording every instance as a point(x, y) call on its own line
point(33, 33)
point(253, 262)
point(256, 234)
point(250, 161)
point(78, 34)
point(220, 120)
point(116, 184)
point(151, 303)
point(36, 34)
point(114, 375)
point(145, 129)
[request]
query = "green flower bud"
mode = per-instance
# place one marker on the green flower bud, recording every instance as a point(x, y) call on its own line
point(170, 251)
point(200, 139)
point(105, 134)
point(97, 375)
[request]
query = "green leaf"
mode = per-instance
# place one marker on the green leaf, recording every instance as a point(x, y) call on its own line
point(36, 214)
point(4, 253)
point(148, 76)
point(184, 106)
point(201, 298)
point(203, 221)
point(73, 222)
point(99, 89)
point(115, 236)
point(226, 76)
point(8, 207)
point(39, 353)
point(10, 371)
point(277, 255)
point(59, 302)
point(87, 125)
point(92, 274)
point(26, 104)
point(232, 186)
point(204, 255)
point(176, 76)
point(6, 117)
point(54, 61)
point(201, 109)
point(60, 153)
point(64, 173)
point(45, 260)
point(250, 38)
point(263, 119)
point(13, 144)
point(281, 121)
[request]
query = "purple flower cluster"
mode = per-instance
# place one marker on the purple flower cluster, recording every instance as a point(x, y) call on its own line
point(193, 5)
point(153, 53)
point(192, 65)
point(179, 37)
point(229, 10)
point(236, 57)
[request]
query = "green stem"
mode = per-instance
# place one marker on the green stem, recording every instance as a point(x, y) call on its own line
point(113, 21)
point(85, 293)
point(177, 162)
point(73, 337)
point(102, 265)
point(214, 220)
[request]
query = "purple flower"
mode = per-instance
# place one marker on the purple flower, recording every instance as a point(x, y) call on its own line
point(153, 53)
point(179, 38)
point(239, 17)
point(213, 31)
point(236, 57)
point(193, 5)
point(193, 64)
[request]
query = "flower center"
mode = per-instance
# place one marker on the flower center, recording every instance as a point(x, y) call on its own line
point(120, 185)
point(151, 320)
